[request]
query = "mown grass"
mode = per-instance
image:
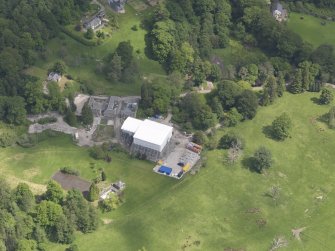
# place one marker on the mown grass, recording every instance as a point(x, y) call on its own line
point(209, 211)
point(82, 60)
point(311, 29)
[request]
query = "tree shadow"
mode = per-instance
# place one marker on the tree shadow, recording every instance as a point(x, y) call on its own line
point(267, 130)
point(315, 100)
point(148, 49)
point(250, 163)
point(323, 118)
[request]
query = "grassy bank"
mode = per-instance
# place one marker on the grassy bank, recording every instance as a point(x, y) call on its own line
point(311, 29)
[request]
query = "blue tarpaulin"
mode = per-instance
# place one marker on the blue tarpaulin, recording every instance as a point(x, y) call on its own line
point(165, 169)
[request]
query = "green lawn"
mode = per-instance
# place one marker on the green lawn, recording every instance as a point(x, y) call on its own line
point(82, 60)
point(237, 54)
point(210, 207)
point(311, 29)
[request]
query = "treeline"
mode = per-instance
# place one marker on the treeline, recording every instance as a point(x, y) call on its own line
point(28, 222)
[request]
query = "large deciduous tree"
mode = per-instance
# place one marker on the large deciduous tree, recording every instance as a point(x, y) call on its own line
point(247, 104)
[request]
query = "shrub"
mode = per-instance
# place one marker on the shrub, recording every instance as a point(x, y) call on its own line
point(326, 97)
point(103, 175)
point(47, 120)
point(199, 138)
point(331, 118)
point(281, 126)
point(110, 203)
point(230, 140)
point(69, 170)
point(262, 159)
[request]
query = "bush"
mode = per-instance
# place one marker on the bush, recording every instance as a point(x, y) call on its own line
point(77, 37)
point(47, 120)
point(89, 33)
point(199, 138)
point(72, 247)
point(331, 118)
point(101, 152)
point(27, 140)
point(281, 126)
point(8, 136)
point(232, 118)
point(103, 175)
point(262, 159)
point(110, 203)
point(326, 97)
point(69, 170)
point(230, 140)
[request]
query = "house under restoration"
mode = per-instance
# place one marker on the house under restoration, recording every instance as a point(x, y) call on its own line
point(147, 138)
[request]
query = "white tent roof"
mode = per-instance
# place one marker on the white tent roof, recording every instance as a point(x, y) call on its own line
point(153, 132)
point(131, 125)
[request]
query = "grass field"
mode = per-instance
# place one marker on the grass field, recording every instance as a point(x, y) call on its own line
point(209, 211)
point(237, 54)
point(311, 29)
point(82, 60)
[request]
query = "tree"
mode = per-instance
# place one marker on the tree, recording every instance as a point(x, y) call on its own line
point(62, 231)
point(114, 68)
point(247, 104)
point(54, 192)
point(86, 114)
point(70, 117)
point(331, 118)
point(280, 85)
point(80, 213)
point(103, 175)
point(262, 159)
point(34, 97)
point(326, 97)
point(270, 92)
point(24, 197)
point(281, 127)
point(89, 33)
point(296, 85)
point(58, 67)
point(26, 245)
point(233, 154)
point(72, 247)
point(227, 92)
point(6, 200)
point(125, 51)
point(217, 107)
point(196, 111)
point(230, 140)
point(232, 117)
point(47, 213)
point(163, 39)
point(12, 110)
point(199, 138)
point(93, 193)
